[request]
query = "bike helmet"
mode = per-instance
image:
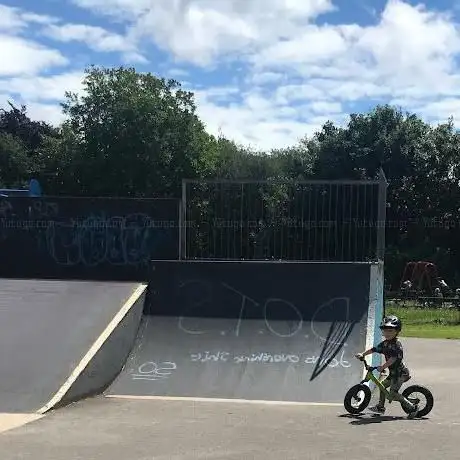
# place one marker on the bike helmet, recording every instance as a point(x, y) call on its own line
point(391, 321)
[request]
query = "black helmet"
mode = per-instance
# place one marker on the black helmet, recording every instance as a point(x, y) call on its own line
point(391, 321)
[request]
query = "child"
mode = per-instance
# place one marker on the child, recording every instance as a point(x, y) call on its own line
point(392, 349)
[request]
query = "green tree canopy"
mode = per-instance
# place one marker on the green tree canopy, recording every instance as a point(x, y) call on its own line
point(138, 135)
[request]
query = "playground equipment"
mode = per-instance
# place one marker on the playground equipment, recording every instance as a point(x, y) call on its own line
point(423, 277)
point(33, 190)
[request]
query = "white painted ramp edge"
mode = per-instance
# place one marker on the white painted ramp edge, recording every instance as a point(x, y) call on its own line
point(224, 400)
point(94, 349)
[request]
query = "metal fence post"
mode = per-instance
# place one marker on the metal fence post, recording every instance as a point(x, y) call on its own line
point(381, 216)
point(183, 222)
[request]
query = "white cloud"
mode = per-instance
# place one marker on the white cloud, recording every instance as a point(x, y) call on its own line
point(326, 107)
point(411, 42)
point(12, 19)
point(41, 95)
point(177, 73)
point(441, 110)
point(21, 55)
point(25, 57)
point(408, 44)
point(39, 18)
point(16, 22)
point(314, 45)
point(259, 120)
point(352, 90)
point(261, 78)
point(286, 94)
point(36, 88)
point(95, 38)
point(200, 31)
point(51, 113)
point(122, 10)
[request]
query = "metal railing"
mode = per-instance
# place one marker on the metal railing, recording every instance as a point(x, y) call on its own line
point(334, 221)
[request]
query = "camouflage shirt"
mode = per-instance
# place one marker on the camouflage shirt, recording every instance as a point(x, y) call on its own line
point(393, 349)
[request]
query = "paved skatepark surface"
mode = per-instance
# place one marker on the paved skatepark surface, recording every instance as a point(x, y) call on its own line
point(45, 329)
point(186, 430)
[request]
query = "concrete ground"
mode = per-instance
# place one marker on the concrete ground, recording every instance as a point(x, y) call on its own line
point(103, 429)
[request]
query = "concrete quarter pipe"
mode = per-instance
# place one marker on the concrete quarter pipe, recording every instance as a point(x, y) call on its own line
point(253, 331)
point(56, 342)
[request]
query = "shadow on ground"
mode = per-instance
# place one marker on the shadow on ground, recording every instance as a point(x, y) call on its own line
point(362, 419)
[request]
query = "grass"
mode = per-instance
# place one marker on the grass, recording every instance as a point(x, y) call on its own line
point(431, 331)
point(429, 323)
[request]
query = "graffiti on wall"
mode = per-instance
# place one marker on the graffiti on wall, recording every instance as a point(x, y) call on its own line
point(86, 235)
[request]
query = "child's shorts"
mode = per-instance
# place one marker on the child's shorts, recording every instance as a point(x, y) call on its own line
point(395, 382)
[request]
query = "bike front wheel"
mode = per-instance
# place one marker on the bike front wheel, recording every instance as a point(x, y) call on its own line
point(410, 394)
point(357, 398)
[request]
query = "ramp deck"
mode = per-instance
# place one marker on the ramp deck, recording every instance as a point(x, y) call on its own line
point(46, 327)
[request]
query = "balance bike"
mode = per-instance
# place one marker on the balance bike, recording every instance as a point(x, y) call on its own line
point(361, 394)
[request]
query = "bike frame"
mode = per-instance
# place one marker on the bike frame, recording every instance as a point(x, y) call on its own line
point(378, 382)
point(391, 396)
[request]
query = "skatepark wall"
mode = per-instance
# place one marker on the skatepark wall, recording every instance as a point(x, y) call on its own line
point(312, 292)
point(96, 239)
point(104, 361)
point(213, 289)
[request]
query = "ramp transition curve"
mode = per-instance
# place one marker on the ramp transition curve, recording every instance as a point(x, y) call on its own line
point(253, 331)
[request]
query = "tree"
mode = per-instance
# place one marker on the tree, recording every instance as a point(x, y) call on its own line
point(138, 134)
point(63, 162)
point(21, 141)
point(14, 161)
point(31, 133)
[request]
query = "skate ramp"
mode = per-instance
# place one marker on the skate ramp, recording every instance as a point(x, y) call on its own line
point(251, 331)
point(63, 340)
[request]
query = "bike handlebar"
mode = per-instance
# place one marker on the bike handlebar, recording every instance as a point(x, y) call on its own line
point(368, 368)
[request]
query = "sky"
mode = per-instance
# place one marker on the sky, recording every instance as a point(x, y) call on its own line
point(265, 73)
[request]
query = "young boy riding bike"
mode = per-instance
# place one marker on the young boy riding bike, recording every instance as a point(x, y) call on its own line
point(392, 349)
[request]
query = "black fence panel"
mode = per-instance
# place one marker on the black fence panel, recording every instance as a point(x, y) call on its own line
point(86, 238)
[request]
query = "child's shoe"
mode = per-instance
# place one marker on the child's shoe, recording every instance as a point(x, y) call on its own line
point(413, 413)
point(377, 409)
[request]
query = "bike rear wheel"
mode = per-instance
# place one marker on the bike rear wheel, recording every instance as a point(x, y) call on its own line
point(360, 395)
point(409, 394)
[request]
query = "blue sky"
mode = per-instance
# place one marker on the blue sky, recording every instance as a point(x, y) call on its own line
point(265, 72)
